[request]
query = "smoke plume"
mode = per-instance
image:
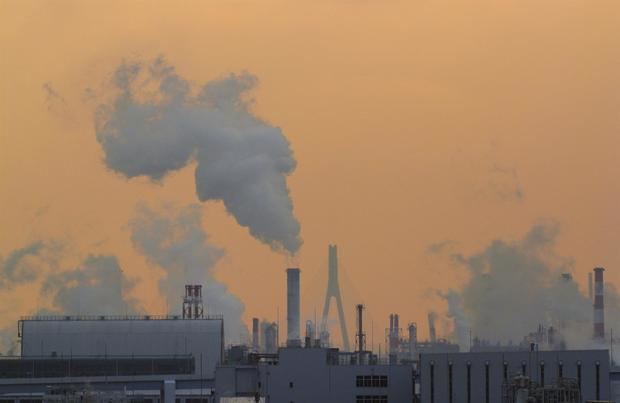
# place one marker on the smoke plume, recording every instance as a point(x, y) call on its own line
point(96, 287)
point(156, 125)
point(515, 286)
point(177, 243)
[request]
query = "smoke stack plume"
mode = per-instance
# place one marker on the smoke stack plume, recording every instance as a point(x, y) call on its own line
point(240, 159)
point(599, 304)
point(292, 308)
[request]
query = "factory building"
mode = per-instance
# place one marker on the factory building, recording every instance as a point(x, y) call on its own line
point(317, 374)
point(140, 358)
point(483, 377)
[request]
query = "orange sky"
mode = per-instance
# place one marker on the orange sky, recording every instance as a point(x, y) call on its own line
point(413, 122)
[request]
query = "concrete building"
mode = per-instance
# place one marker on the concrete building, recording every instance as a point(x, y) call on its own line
point(478, 377)
point(140, 358)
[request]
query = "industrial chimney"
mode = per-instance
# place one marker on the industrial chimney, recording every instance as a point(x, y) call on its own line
point(599, 304)
point(431, 327)
point(255, 345)
point(292, 308)
point(361, 337)
point(413, 338)
point(192, 302)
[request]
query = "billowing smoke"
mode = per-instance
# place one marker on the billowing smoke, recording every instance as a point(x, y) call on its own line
point(515, 286)
point(96, 287)
point(156, 125)
point(177, 242)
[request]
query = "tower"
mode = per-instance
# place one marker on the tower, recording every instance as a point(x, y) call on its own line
point(293, 311)
point(333, 290)
point(599, 304)
point(192, 302)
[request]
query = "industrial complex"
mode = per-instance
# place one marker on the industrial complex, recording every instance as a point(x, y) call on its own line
point(184, 359)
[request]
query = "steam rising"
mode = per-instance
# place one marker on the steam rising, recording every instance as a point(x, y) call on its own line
point(178, 244)
point(156, 126)
point(515, 286)
point(96, 287)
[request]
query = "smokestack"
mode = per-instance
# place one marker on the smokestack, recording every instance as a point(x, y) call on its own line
point(413, 338)
point(599, 304)
point(391, 323)
point(431, 327)
point(292, 308)
point(396, 326)
point(255, 346)
point(361, 337)
point(590, 287)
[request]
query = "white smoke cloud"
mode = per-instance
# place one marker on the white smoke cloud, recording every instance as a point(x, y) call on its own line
point(175, 241)
point(156, 125)
point(96, 287)
point(515, 286)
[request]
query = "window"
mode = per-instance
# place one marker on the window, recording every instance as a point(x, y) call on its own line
point(371, 381)
point(598, 380)
point(371, 399)
point(523, 368)
point(450, 390)
point(468, 382)
point(542, 373)
point(290, 385)
point(486, 380)
point(505, 371)
point(432, 382)
point(579, 373)
point(560, 369)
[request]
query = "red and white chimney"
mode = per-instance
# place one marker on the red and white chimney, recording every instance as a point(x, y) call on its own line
point(599, 304)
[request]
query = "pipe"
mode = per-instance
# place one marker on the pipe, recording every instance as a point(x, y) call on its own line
point(293, 311)
point(599, 304)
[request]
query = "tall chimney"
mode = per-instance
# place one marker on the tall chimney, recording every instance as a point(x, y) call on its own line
point(255, 345)
point(361, 337)
point(431, 327)
point(599, 304)
point(590, 287)
point(292, 308)
point(413, 338)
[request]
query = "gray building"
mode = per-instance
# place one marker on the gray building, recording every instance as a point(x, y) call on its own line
point(308, 375)
point(126, 336)
point(147, 359)
point(478, 377)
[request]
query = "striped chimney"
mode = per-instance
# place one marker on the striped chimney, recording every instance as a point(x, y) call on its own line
point(599, 304)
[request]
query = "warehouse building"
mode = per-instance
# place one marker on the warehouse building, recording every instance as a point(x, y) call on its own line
point(479, 377)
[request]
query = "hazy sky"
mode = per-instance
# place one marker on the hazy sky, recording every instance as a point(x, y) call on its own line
point(413, 123)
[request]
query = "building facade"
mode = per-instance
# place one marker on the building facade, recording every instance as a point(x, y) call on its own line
point(479, 377)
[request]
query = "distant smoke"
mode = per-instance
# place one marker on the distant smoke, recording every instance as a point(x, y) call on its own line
point(177, 243)
point(156, 126)
point(16, 268)
point(515, 286)
point(96, 287)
